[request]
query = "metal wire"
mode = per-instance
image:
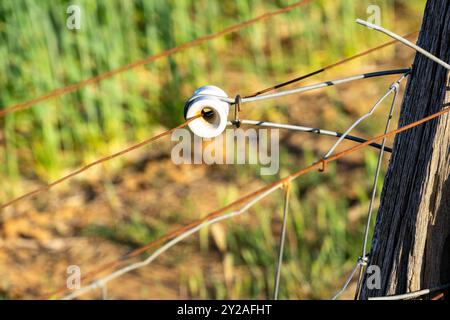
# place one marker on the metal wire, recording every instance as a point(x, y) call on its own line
point(347, 282)
point(308, 130)
point(404, 41)
point(392, 88)
point(255, 194)
point(103, 281)
point(262, 193)
point(282, 241)
point(263, 97)
point(70, 88)
point(374, 193)
point(104, 291)
point(265, 190)
point(256, 197)
point(95, 163)
point(309, 87)
point(322, 85)
point(377, 173)
point(412, 295)
point(395, 89)
point(259, 98)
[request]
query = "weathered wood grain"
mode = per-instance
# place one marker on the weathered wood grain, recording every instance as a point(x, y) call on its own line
point(411, 242)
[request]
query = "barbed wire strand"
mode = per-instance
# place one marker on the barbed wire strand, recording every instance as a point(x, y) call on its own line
point(318, 165)
point(330, 66)
point(103, 281)
point(287, 189)
point(95, 163)
point(291, 127)
point(76, 86)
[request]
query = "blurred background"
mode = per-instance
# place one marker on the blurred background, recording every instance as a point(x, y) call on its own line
point(130, 201)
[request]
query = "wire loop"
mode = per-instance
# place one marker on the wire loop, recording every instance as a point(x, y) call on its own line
point(395, 87)
point(323, 163)
point(237, 108)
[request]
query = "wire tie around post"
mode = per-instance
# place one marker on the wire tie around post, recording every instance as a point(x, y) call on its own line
point(237, 108)
point(286, 185)
point(395, 86)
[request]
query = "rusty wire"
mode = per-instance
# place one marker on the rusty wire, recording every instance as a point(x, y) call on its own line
point(414, 294)
point(78, 85)
point(320, 165)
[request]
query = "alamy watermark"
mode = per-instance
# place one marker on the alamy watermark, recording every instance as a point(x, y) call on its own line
point(73, 21)
point(73, 281)
point(234, 146)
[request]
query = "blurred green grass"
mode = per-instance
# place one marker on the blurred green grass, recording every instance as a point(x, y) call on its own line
point(38, 53)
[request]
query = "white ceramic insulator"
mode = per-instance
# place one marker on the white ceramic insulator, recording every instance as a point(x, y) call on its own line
point(207, 98)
